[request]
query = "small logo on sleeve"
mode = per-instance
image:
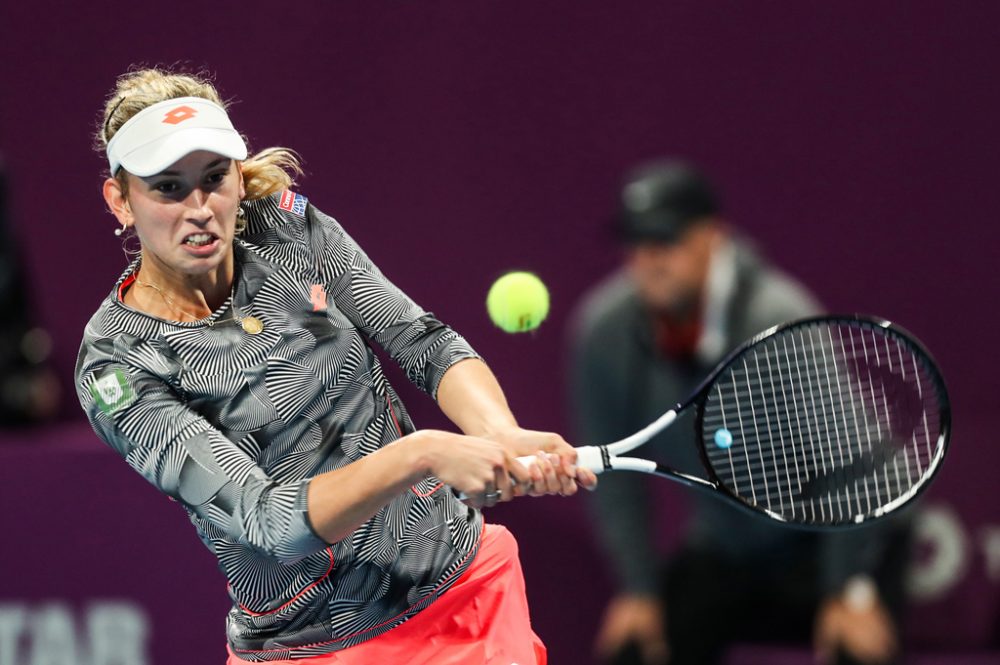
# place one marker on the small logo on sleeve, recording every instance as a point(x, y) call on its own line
point(293, 202)
point(112, 392)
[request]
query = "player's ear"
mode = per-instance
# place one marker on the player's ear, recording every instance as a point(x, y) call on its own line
point(243, 188)
point(117, 202)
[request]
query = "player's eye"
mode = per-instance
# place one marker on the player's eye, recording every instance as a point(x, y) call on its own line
point(167, 187)
point(216, 178)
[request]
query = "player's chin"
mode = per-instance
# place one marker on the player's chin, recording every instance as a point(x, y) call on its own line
point(198, 262)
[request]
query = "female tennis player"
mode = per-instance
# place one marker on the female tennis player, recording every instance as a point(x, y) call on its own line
point(231, 366)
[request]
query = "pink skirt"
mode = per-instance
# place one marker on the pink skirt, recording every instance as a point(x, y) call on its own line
point(482, 618)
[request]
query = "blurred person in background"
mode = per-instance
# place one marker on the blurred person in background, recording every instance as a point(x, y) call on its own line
point(29, 391)
point(691, 289)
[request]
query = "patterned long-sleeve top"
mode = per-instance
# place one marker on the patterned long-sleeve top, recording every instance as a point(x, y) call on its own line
point(233, 426)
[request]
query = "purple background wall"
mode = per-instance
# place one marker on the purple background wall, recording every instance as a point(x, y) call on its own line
point(457, 140)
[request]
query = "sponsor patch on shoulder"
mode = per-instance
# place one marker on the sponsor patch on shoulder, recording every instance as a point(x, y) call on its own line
point(112, 391)
point(292, 202)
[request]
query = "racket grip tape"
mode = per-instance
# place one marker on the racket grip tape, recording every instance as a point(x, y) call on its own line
point(595, 458)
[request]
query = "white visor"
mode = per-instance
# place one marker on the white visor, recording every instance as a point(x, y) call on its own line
point(160, 134)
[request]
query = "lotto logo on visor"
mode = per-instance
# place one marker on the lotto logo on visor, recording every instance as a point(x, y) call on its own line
point(179, 115)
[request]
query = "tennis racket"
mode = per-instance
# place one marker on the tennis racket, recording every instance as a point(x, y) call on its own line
point(822, 422)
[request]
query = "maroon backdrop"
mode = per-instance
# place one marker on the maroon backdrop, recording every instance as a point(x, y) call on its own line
point(456, 140)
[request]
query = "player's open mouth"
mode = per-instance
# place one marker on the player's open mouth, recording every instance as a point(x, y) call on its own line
point(200, 239)
point(201, 244)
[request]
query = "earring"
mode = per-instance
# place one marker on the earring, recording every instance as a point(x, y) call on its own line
point(241, 220)
point(120, 232)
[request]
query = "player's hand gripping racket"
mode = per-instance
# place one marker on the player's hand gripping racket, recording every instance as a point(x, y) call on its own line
point(822, 422)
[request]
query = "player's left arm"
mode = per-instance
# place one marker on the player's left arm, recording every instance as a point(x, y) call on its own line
point(470, 395)
point(429, 351)
point(423, 346)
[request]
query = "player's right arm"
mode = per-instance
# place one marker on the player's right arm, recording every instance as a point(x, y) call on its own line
point(185, 457)
point(342, 499)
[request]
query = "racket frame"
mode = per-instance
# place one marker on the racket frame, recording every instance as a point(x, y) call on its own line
point(607, 457)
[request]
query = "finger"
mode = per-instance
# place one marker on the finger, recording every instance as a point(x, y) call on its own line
point(537, 475)
point(504, 485)
point(538, 471)
point(552, 484)
point(567, 484)
point(542, 471)
point(546, 474)
point(568, 488)
point(568, 465)
point(490, 495)
point(587, 479)
point(520, 474)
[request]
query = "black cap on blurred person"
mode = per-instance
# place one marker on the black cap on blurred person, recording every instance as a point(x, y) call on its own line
point(660, 200)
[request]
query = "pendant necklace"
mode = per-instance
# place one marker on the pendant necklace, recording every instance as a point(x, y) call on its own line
point(251, 324)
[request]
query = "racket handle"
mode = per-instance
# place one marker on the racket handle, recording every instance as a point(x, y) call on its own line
point(588, 457)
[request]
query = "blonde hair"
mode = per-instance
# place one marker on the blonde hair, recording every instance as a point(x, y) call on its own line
point(264, 173)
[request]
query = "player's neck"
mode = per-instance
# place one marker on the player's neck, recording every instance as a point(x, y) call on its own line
point(167, 293)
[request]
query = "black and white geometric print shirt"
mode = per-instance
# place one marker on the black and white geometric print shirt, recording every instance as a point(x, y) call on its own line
point(233, 426)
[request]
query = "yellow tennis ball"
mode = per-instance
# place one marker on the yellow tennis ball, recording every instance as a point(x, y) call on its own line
point(518, 302)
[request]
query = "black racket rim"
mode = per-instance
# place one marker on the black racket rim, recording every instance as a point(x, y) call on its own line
point(700, 398)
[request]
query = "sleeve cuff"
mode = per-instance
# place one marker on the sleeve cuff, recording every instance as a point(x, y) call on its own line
point(301, 538)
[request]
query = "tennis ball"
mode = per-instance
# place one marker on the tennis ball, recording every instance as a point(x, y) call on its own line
point(518, 302)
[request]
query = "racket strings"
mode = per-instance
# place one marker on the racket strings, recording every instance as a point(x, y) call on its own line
point(829, 422)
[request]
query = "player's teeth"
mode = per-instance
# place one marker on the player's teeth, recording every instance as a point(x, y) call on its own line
point(199, 239)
